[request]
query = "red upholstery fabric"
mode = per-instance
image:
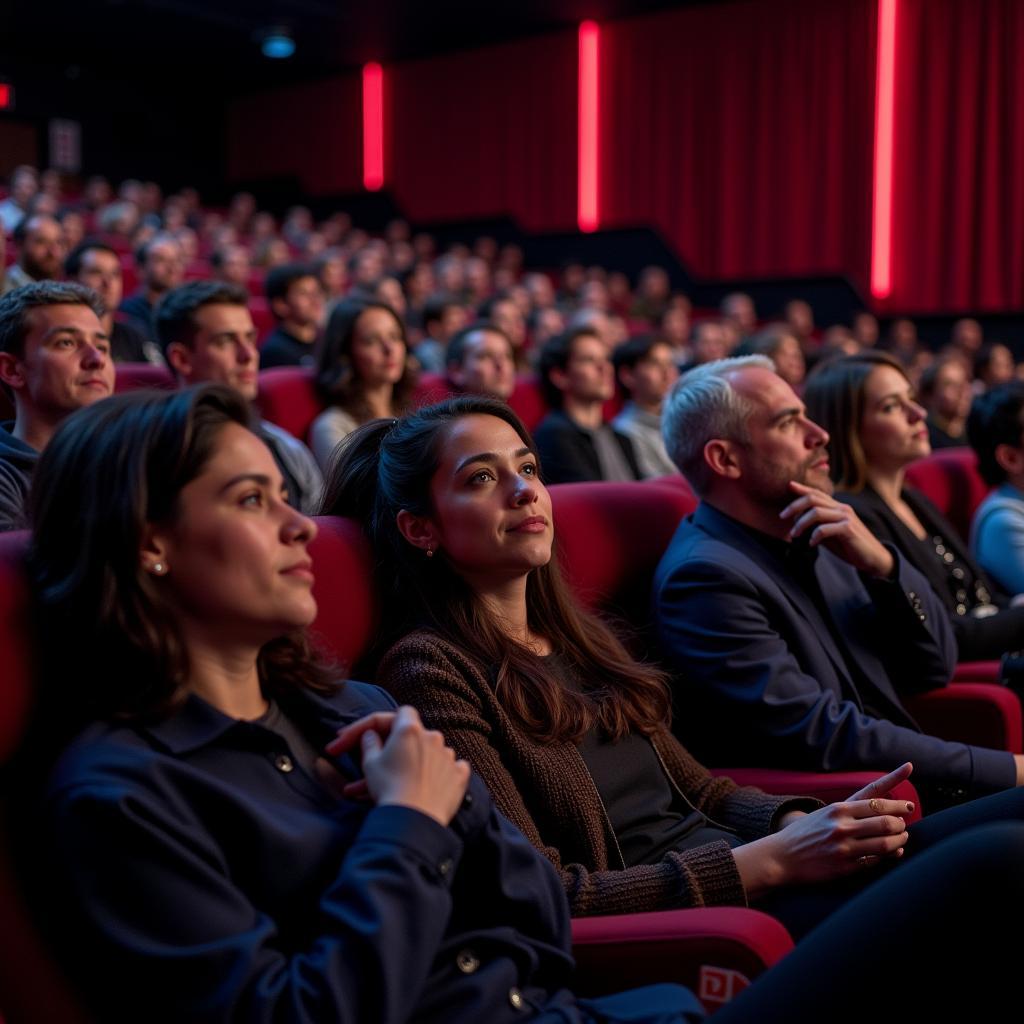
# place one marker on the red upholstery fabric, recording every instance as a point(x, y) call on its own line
point(30, 986)
point(979, 713)
point(431, 388)
point(827, 786)
point(950, 479)
point(347, 608)
point(287, 397)
point(528, 400)
point(610, 537)
point(976, 672)
point(715, 951)
point(135, 376)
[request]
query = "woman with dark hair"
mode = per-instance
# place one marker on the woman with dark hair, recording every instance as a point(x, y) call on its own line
point(569, 733)
point(235, 836)
point(876, 427)
point(362, 372)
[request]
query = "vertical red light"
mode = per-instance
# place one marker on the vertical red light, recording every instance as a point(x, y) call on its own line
point(885, 117)
point(373, 126)
point(586, 211)
point(5, 96)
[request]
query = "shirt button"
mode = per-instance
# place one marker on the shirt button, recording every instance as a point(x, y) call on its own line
point(445, 867)
point(467, 800)
point(515, 998)
point(283, 763)
point(467, 961)
point(911, 595)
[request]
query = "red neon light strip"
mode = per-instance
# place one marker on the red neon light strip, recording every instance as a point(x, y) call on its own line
point(885, 117)
point(373, 126)
point(586, 211)
point(5, 96)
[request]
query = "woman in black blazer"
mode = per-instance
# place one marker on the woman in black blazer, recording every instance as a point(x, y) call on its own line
point(867, 404)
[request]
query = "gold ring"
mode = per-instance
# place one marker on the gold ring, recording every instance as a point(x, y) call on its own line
point(873, 804)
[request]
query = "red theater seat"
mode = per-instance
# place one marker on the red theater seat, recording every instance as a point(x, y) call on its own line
point(136, 376)
point(950, 479)
point(289, 399)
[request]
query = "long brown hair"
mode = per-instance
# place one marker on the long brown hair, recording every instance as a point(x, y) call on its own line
point(336, 379)
point(834, 396)
point(386, 466)
point(108, 471)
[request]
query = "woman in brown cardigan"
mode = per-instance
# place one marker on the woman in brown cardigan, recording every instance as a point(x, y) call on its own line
point(569, 733)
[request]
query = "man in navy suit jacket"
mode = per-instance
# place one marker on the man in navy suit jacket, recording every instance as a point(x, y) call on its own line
point(792, 627)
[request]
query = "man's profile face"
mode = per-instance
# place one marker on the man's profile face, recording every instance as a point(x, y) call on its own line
point(588, 375)
point(223, 350)
point(783, 444)
point(165, 266)
point(66, 362)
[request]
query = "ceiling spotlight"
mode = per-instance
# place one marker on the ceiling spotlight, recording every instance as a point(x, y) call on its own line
point(277, 44)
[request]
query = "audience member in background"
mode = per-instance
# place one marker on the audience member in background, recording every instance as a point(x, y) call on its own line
point(838, 340)
point(54, 359)
point(901, 341)
point(230, 264)
point(544, 325)
point(570, 734)
point(481, 361)
point(504, 311)
point(443, 317)
point(72, 224)
point(363, 372)
point(993, 365)
point(799, 318)
point(945, 392)
point(22, 186)
point(966, 338)
point(645, 370)
point(782, 346)
point(737, 308)
point(296, 300)
point(96, 265)
point(161, 266)
point(877, 429)
point(675, 327)
point(995, 428)
point(865, 329)
point(208, 337)
point(40, 243)
point(574, 442)
point(652, 295)
point(388, 290)
point(708, 343)
point(332, 270)
point(819, 623)
point(572, 278)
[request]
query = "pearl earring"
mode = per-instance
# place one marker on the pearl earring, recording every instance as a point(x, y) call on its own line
point(159, 568)
point(430, 552)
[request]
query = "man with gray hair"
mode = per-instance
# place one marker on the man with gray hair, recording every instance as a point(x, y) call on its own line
point(791, 626)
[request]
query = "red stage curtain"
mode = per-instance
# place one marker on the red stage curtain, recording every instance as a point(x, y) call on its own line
point(312, 132)
point(486, 133)
point(959, 183)
point(744, 132)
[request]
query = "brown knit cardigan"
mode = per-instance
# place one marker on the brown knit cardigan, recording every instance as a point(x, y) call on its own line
point(547, 792)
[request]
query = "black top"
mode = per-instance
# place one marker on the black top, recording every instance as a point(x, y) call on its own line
point(128, 343)
point(958, 581)
point(280, 348)
point(648, 815)
point(940, 439)
point(568, 454)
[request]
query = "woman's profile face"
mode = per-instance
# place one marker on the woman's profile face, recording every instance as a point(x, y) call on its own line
point(235, 562)
point(893, 432)
point(492, 515)
point(378, 351)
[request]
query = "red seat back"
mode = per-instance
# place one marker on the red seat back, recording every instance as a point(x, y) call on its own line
point(610, 538)
point(289, 399)
point(136, 376)
point(528, 400)
point(950, 479)
point(347, 608)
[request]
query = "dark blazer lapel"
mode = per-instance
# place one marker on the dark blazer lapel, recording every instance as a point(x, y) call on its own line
point(741, 538)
